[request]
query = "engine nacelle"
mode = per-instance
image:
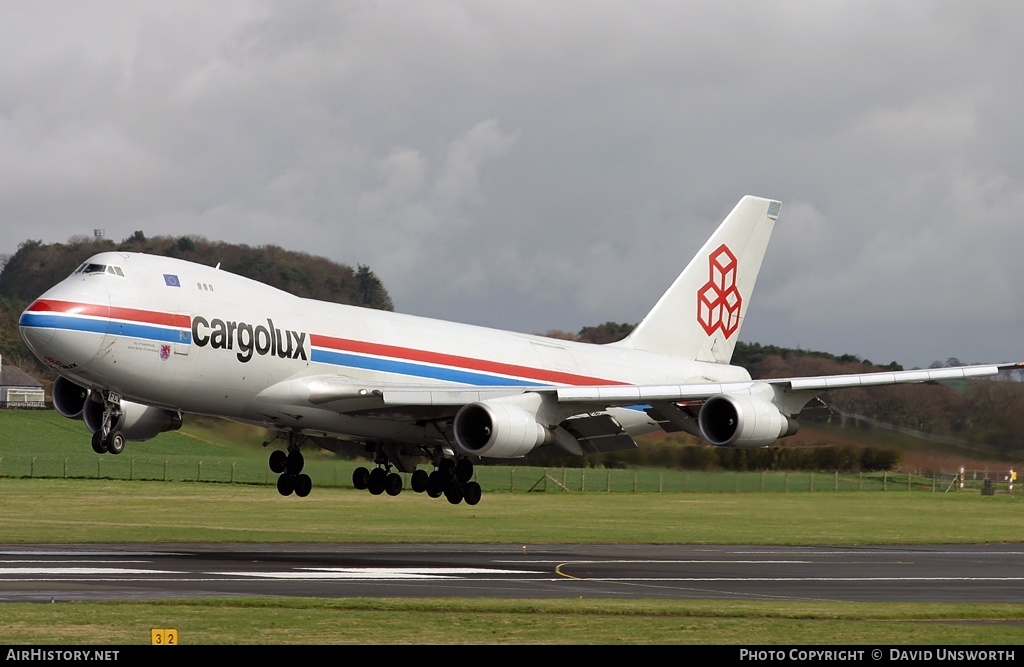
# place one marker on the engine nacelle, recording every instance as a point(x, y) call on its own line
point(498, 430)
point(137, 421)
point(735, 420)
point(68, 398)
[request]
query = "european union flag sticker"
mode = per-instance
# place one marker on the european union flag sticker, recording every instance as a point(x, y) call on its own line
point(171, 280)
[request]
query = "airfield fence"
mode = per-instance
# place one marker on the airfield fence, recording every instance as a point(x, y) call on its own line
point(518, 479)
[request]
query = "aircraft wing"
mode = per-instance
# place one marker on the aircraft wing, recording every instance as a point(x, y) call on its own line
point(625, 395)
point(825, 382)
point(342, 393)
point(675, 408)
point(593, 418)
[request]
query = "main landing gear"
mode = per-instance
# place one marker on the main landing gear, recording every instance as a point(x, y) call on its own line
point(450, 478)
point(289, 466)
point(377, 481)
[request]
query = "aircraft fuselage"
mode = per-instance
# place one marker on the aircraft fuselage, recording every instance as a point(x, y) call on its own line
point(183, 336)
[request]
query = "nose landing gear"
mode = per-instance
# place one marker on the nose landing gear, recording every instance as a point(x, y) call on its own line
point(107, 437)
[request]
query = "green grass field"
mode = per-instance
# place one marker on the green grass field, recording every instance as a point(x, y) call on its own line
point(274, 621)
point(42, 444)
point(56, 509)
point(46, 510)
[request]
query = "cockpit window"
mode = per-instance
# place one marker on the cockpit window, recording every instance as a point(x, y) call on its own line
point(89, 267)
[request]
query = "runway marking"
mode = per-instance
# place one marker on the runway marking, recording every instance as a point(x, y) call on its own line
point(697, 561)
point(79, 570)
point(320, 573)
point(85, 553)
point(18, 561)
point(375, 573)
point(793, 579)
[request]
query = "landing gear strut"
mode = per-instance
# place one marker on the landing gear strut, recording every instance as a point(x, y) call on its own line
point(289, 466)
point(108, 438)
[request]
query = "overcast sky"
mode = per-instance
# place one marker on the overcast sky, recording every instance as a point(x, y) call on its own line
point(550, 165)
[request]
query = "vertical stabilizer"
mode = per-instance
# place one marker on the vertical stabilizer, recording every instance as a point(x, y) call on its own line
point(700, 315)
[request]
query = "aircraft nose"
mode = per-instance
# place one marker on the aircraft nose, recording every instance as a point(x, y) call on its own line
point(64, 333)
point(36, 327)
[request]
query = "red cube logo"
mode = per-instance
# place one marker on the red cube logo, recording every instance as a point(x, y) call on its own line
point(719, 300)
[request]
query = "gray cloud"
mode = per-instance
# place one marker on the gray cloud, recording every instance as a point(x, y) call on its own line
point(542, 166)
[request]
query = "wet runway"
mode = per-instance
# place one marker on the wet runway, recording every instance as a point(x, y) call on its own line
point(970, 573)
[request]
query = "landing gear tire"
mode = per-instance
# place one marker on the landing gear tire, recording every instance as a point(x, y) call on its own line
point(464, 470)
point(303, 485)
point(278, 461)
point(471, 492)
point(420, 480)
point(285, 484)
point(393, 484)
point(114, 442)
point(295, 462)
point(98, 445)
point(378, 478)
point(435, 484)
point(453, 493)
point(361, 478)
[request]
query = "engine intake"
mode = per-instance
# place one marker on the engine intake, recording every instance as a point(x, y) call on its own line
point(734, 420)
point(68, 398)
point(498, 430)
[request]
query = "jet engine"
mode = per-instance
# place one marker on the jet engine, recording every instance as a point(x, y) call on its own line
point(136, 421)
point(498, 430)
point(68, 398)
point(734, 420)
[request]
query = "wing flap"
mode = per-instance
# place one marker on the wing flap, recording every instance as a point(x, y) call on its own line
point(672, 417)
point(598, 432)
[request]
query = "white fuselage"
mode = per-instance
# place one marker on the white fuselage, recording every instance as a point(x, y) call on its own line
point(170, 333)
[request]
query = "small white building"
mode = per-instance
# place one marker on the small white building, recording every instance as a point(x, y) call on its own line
point(18, 389)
